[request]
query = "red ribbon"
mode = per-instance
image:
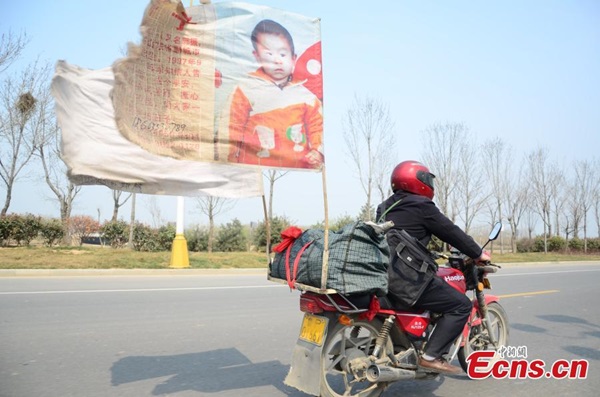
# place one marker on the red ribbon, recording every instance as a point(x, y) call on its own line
point(374, 307)
point(288, 236)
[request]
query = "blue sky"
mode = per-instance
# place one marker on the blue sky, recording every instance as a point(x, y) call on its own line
point(526, 71)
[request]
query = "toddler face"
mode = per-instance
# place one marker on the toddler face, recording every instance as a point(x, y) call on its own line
point(274, 54)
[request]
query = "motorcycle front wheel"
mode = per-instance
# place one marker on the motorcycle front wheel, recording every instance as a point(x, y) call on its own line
point(343, 345)
point(479, 335)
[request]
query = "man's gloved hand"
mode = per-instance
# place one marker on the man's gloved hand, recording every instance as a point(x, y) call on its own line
point(485, 257)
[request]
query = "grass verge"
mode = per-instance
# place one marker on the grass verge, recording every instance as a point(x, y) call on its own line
point(108, 258)
point(92, 257)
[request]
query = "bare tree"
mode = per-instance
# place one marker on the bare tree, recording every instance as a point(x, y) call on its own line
point(48, 151)
point(11, 46)
point(516, 202)
point(442, 143)
point(596, 203)
point(586, 185)
point(55, 171)
point(384, 164)
point(117, 203)
point(272, 176)
point(470, 195)
point(155, 212)
point(531, 218)
point(211, 207)
point(21, 123)
point(540, 174)
point(118, 193)
point(574, 214)
point(369, 141)
point(497, 154)
point(558, 196)
point(132, 220)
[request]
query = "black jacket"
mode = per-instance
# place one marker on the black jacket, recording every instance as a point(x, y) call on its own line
point(420, 217)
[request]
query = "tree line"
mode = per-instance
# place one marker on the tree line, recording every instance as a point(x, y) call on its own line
point(478, 181)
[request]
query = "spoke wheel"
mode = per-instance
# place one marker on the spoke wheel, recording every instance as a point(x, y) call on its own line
point(345, 344)
point(479, 336)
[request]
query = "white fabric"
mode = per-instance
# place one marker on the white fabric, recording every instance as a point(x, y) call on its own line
point(97, 154)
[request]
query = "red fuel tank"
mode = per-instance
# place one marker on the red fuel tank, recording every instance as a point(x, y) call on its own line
point(453, 277)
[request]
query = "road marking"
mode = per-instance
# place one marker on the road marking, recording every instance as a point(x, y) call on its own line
point(83, 291)
point(209, 289)
point(538, 273)
point(550, 291)
point(280, 285)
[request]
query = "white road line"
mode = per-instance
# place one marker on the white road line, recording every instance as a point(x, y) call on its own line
point(538, 273)
point(138, 290)
point(244, 286)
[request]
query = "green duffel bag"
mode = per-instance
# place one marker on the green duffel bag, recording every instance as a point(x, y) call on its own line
point(357, 263)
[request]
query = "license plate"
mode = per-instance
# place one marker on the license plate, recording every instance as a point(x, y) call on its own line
point(313, 329)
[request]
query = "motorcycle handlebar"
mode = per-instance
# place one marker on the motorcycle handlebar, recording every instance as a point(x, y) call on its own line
point(490, 269)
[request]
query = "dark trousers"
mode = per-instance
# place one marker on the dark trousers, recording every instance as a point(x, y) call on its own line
point(440, 297)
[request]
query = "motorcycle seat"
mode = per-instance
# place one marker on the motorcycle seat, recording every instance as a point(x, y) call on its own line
point(362, 301)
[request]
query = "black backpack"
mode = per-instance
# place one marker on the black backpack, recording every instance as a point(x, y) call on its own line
point(411, 266)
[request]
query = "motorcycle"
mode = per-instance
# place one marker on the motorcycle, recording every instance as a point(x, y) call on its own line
point(347, 350)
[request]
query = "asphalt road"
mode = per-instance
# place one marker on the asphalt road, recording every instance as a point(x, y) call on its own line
point(232, 335)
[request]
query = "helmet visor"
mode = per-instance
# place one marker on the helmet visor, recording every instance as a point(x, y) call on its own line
point(426, 177)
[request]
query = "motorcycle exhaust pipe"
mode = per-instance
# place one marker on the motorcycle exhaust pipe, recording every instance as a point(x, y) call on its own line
point(376, 373)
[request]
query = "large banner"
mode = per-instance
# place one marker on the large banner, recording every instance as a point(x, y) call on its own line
point(97, 154)
point(224, 83)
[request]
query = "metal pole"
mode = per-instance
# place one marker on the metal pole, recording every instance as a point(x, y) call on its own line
point(179, 251)
point(324, 271)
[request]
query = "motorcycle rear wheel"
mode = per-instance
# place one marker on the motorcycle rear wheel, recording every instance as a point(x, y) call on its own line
point(479, 338)
point(343, 344)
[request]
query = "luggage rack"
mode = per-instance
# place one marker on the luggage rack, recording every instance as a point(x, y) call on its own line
point(304, 287)
point(328, 293)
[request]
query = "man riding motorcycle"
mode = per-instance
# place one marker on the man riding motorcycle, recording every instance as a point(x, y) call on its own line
point(411, 208)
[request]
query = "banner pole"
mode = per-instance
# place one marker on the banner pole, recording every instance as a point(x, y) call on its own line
point(267, 228)
point(324, 270)
point(179, 251)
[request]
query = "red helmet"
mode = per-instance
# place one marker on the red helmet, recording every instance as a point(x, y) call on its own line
point(413, 177)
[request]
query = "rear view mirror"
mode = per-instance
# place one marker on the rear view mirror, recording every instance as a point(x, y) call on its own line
point(495, 231)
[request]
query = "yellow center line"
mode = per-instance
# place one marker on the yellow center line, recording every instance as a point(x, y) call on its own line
point(551, 291)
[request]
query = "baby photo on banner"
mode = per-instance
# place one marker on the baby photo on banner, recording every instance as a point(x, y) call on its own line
point(228, 82)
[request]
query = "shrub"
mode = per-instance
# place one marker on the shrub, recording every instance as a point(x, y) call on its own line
point(197, 239)
point(278, 224)
point(117, 232)
point(144, 238)
point(556, 244)
point(367, 213)
point(26, 228)
point(6, 228)
point(538, 245)
point(575, 244)
point(147, 239)
point(335, 224)
point(165, 237)
point(52, 231)
point(231, 237)
point(593, 244)
point(527, 245)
